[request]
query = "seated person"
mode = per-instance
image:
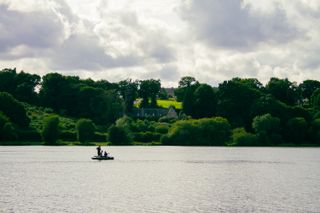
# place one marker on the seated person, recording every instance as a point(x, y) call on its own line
point(105, 154)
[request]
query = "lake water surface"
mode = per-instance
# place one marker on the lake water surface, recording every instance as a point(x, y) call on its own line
point(160, 179)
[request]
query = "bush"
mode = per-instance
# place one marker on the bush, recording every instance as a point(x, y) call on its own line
point(162, 128)
point(242, 138)
point(146, 136)
point(167, 119)
point(119, 136)
point(315, 131)
point(29, 135)
point(13, 109)
point(203, 132)
point(85, 130)
point(50, 132)
point(68, 135)
point(99, 137)
point(267, 128)
point(296, 130)
point(9, 132)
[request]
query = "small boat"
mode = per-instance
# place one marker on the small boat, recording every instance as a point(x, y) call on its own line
point(102, 158)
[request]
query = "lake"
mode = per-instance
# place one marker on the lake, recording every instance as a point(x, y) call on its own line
point(159, 179)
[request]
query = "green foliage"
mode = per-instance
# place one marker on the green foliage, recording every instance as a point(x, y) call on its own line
point(68, 135)
point(13, 109)
point(3, 119)
point(162, 128)
point(236, 98)
point(21, 85)
point(296, 130)
point(267, 128)
point(163, 95)
point(103, 107)
point(9, 132)
point(185, 83)
point(125, 122)
point(149, 89)
point(99, 137)
point(146, 136)
point(119, 135)
point(283, 90)
point(242, 138)
point(85, 130)
point(267, 104)
point(203, 132)
point(205, 102)
point(307, 88)
point(142, 126)
point(50, 132)
point(31, 135)
point(315, 131)
point(188, 101)
point(315, 98)
point(129, 93)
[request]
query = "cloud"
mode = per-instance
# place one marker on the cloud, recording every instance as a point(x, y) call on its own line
point(212, 40)
point(234, 25)
point(28, 32)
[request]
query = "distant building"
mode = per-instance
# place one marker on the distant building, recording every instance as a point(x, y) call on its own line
point(170, 91)
point(153, 112)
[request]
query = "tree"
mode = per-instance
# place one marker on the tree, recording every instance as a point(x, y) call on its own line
point(163, 95)
point(149, 89)
point(9, 132)
point(26, 85)
point(7, 80)
point(21, 86)
point(129, 92)
point(103, 107)
point(268, 104)
point(236, 99)
point(315, 131)
point(315, 98)
point(3, 120)
point(205, 102)
point(119, 136)
point(60, 93)
point(307, 87)
point(13, 109)
point(85, 130)
point(267, 128)
point(283, 90)
point(296, 130)
point(188, 102)
point(185, 83)
point(50, 132)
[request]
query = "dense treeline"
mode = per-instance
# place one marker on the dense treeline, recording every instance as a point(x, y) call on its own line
point(239, 111)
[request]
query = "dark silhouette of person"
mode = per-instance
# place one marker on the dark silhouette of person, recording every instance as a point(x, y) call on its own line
point(105, 154)
point(99, 151)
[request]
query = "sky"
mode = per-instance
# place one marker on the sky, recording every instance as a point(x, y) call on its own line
point(211, 40)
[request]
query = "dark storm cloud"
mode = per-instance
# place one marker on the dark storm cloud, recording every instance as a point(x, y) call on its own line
point(31, 29)
point(230, 24)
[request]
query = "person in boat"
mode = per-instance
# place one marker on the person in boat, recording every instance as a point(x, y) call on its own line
point(105, 153)
point(99, 152)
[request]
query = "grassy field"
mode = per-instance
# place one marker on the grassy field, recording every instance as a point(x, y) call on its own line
point(168, 103)
point(163, 103)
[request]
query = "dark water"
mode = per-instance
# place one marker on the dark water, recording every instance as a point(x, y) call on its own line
point(160, 179)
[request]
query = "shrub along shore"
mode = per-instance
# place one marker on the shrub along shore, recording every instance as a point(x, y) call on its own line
point(66, 110)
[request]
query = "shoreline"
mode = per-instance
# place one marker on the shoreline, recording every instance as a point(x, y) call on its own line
point(76, 143)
